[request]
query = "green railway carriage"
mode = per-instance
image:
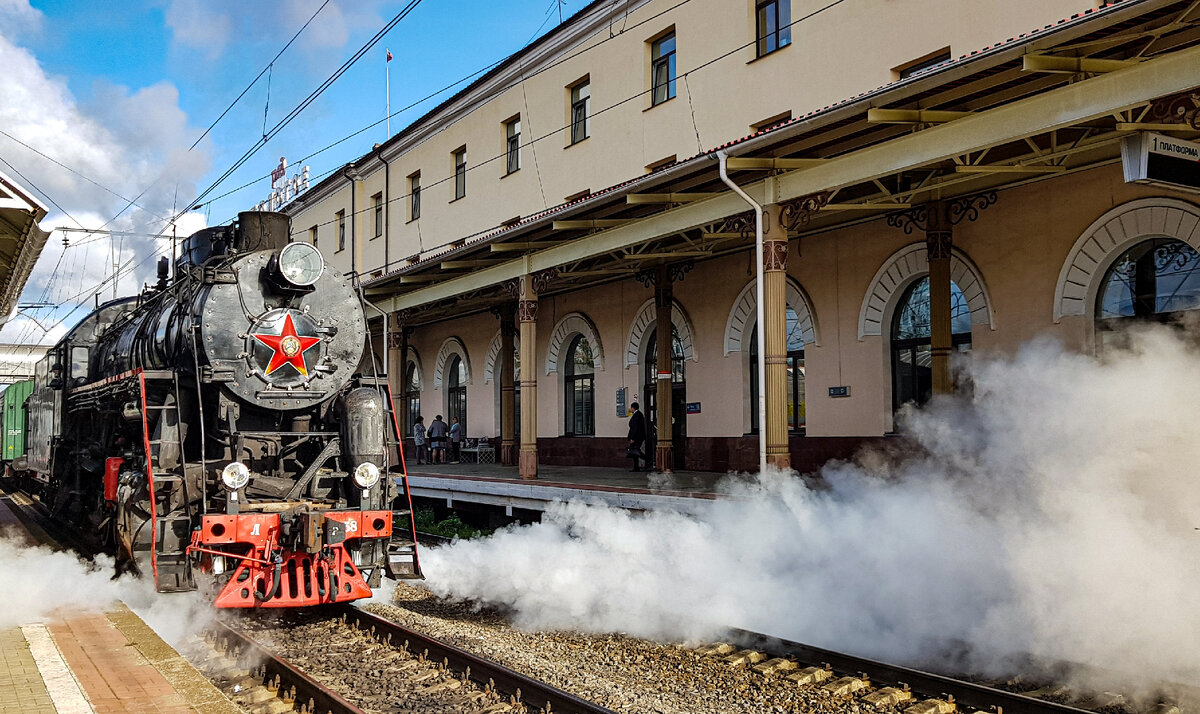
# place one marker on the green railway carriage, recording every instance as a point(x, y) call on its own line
point(12, 423)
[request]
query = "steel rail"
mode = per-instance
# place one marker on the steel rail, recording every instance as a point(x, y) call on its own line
point(968, 694)
point(535, 694)
point(318, 698)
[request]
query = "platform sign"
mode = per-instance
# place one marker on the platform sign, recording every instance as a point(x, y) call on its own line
point(1161, 161)
point(693, 407)
point(622, 408)
point(840, 391)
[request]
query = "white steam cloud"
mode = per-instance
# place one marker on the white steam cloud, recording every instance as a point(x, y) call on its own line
point(43, 584)
point(132, 141)
point(1055, 513)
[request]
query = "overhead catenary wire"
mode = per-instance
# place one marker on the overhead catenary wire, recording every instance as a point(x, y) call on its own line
point(559, 130)
point(312, 97)
point(487, 68)
point(547, 135)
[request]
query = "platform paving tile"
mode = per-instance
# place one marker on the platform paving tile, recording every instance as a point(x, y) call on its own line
point(22, 690)
point(123, 666)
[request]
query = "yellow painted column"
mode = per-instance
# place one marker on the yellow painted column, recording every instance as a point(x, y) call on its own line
point(527, 309)
point(664, 457)
point(508, 392)
point(938, 241)
point(775, 250)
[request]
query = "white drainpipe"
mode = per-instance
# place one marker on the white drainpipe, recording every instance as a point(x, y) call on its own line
point(722, 157)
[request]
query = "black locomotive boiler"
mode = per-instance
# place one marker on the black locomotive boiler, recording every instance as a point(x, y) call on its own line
point(226, 421)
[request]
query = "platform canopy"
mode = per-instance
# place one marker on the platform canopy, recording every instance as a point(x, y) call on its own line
point(21, 241)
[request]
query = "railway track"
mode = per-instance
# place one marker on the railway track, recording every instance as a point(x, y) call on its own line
point(912, 691)
point(376, 665)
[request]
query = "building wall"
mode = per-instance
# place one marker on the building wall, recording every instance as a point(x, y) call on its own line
point(1019, 246)
point(834, 54)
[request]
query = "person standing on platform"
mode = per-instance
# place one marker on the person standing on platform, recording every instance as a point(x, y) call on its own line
point(637, 437)
point(456, 435)
point(437, 439)
point(418, 435)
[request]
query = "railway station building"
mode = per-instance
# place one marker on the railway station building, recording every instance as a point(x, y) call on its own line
point(933, 179)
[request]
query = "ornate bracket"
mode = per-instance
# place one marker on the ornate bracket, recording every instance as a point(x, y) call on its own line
point(742, 223)
point(1183, 108)
point(799, 211)
point(942, 215)
point(646, 277)
point(541, 279)
point(512, 287)
point(677, 271)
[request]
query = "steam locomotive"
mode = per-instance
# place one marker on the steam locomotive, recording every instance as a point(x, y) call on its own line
point(227, 421)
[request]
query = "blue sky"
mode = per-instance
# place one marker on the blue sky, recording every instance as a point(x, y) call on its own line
point(121, 95)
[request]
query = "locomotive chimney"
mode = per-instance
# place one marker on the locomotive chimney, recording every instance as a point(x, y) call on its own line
point(263, 230)
point(164, 272)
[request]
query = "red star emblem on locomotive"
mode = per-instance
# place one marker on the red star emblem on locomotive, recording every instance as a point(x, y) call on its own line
point(288, 346)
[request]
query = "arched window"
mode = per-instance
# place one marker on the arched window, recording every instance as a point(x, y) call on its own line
point(579, 388)
point(456, 393)
point(412, 393)
point(1155, 280)
point(795, 374)
point(912, 373)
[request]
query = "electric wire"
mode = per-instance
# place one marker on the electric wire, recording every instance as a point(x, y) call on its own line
point(710, 62)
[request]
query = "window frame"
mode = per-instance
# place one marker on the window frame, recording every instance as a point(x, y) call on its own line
point(667, 61)
point(781, 35)
point(959, 342)
point(579, 388)
point(341, 223)
point(456, 394)
point(414, 196)
point(377, 204)
point(512, 145)
point(579, 111)
point(312, 236)
point(412, 393)
point(459, 159)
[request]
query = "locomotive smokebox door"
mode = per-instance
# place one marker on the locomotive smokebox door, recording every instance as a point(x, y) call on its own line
point(335, 532)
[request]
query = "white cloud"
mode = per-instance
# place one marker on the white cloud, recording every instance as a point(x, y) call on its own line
point(17, 17)
point(128, 140)
point(211, 27)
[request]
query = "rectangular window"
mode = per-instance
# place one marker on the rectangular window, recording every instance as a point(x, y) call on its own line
point(662, 68)
point(460, 173)
point(512, 145)
point(414, 196)
point(377, 204)
point(907, 70)
point(581, 95)
point(312, 235)
point(341, 221)
point(774, 19)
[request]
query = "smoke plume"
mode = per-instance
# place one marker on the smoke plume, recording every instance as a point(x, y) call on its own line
point(1054, 512)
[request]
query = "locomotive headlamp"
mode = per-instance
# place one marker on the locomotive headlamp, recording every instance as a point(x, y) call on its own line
point(300, 264)
point(366, 475)
point(235, 476)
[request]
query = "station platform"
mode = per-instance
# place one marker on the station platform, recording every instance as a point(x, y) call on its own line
point(496, 485)
point(94, 662)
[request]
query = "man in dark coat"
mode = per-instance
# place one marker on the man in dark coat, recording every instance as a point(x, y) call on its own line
point(637, 437)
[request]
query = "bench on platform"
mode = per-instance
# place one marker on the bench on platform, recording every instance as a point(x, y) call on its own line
point(478, 451)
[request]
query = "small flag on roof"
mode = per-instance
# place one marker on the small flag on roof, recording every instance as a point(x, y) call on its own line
point(389, 55)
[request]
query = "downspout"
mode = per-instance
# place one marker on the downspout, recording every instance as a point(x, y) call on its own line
point(353, 223)
point(722, 158)
point(387, 212)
